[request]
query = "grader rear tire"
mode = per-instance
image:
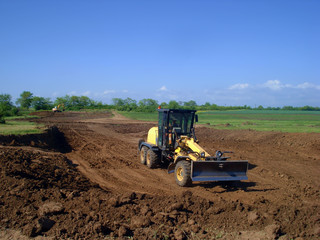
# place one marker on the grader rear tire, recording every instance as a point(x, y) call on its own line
point(152, 159)
point(182, 173)
point(143, 155)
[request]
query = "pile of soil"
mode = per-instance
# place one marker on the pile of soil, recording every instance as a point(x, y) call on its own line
point(87, 183)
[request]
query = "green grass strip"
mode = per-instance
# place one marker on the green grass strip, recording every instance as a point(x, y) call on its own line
point(259, 120)
point(12, 127)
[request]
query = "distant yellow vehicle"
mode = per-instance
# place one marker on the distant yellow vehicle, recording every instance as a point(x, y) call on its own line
point(58, 108)
point(174, 141)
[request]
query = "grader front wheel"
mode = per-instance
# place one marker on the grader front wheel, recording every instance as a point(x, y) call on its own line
point(183, 173)
point(143, 154)
point(152, 159)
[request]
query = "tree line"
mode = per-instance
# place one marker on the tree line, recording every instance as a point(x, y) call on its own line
point(28, 101)
point(150, 105)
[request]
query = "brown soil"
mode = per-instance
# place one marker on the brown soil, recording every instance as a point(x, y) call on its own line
point(82, 180)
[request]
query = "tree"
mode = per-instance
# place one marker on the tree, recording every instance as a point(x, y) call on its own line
point(76, 102)
point(6, 106)
point(246, 107)
point(117, 102)
point(148, 105)
point(127, 104)
point(190, 105)
point(5, 103)
point(41, 103)
point(309, 108)
point(130, 101)
point(63, 101)
point(173, 105)
point(130, 104)
point(287, 108)
point(205, 106)
point(164, 105)
point(85, 101)
point(25, 99)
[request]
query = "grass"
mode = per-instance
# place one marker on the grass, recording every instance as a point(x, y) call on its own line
point(20, 117)
point(259, 120)
point(143, 116)
point(20, 127)
point(265, 120)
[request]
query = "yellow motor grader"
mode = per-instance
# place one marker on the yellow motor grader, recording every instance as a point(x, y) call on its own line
point(174, 141)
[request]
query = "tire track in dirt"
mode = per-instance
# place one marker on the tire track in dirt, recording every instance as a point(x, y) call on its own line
point(122, 171)
point(115, 175)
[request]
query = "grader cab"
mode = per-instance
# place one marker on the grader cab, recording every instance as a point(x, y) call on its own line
point(174, 141)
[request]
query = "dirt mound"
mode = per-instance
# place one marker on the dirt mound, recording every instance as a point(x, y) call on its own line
point(35, 189)
point(42, 113)
point(69, 116)
point(98, 189)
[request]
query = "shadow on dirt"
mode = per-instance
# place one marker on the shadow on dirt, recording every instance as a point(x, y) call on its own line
point(231, 186)
point(251, 166)
point(57, 140)
point(234, 186)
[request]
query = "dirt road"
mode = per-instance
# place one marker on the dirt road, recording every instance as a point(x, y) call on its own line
point(122, 198)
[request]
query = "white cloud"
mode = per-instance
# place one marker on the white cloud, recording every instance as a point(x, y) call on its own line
point(87, 93)
point(72, 93)
point(273, 85)
point(277, 85)
point(239, 86)
point(272, 93)
point(106, 92)
point(55, 94)
point(306, 85)
point(163, 88)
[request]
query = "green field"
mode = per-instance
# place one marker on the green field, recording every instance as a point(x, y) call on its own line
point(143, 116)
point(16, 126)
point(260, 120)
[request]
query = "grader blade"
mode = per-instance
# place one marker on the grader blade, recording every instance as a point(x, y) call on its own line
point(207, 171)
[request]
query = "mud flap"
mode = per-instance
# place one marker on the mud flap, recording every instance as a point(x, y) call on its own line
point(219, 171)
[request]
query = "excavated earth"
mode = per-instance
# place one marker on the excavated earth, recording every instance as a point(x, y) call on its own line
point(82, 180)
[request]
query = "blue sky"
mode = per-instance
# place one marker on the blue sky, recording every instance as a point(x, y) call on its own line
point(223, 52)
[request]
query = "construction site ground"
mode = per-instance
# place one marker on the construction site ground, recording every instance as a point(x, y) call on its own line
point(82, 179)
